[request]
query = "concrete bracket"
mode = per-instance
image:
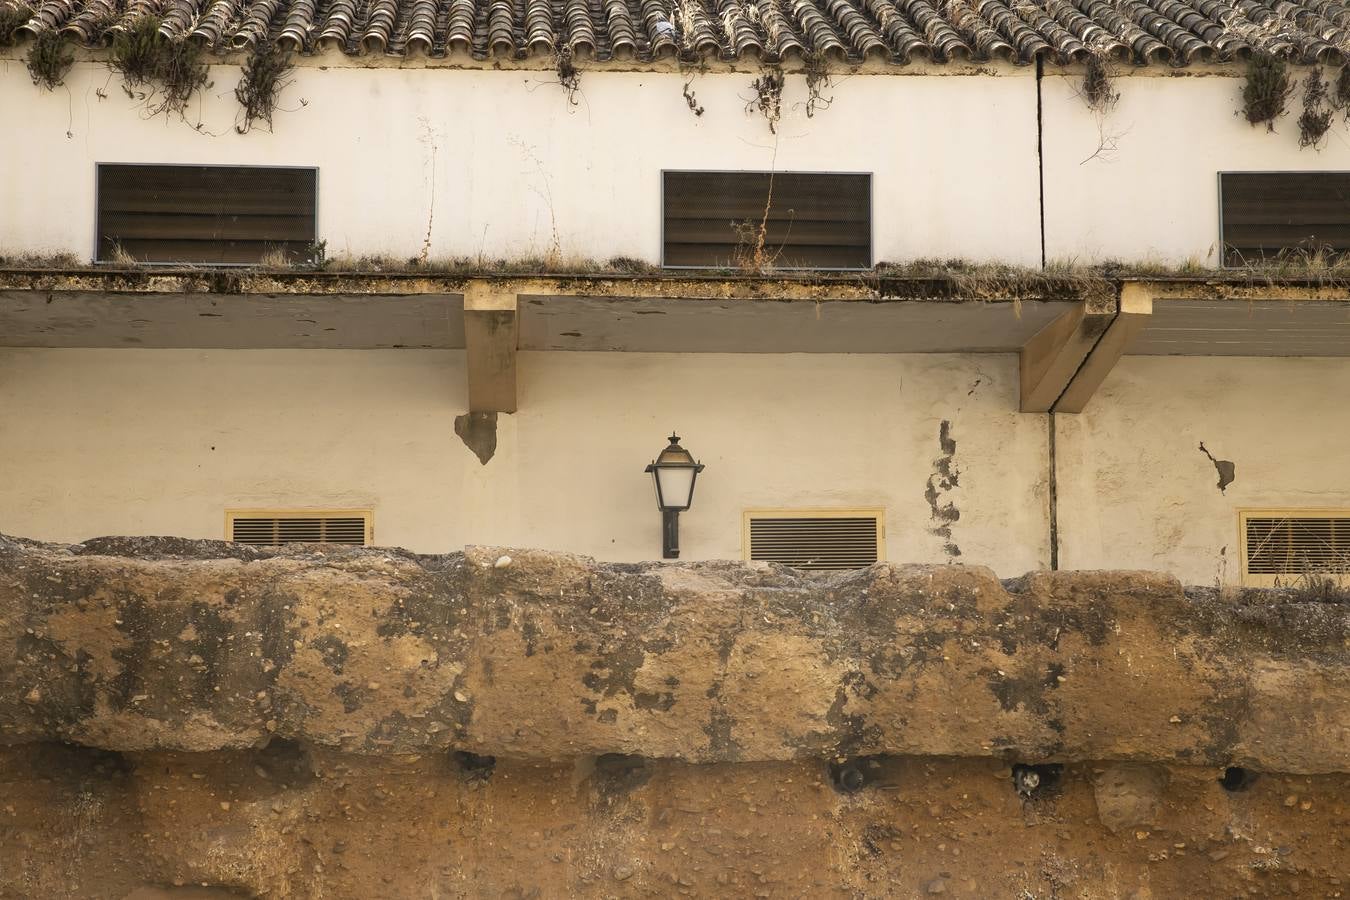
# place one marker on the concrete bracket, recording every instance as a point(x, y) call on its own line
point(491, 334)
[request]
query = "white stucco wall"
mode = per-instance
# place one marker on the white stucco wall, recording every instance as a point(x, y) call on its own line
point(498, 163)
point(1140, 184)
point(1136, 491)
point(162, 441)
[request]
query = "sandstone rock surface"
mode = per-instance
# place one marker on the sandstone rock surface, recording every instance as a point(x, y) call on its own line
point(162, 644)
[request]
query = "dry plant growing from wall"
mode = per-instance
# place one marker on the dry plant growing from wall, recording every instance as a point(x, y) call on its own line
point(569, 76)
point(1097, 90)
point(1266, 91)
point(768, 99)
point(1340, 97)
point(136, 51)
point(144, 55)
point(1315, 120)
point(752, 254)
point(692, 100)
point(816, 69)
point(264, 77)
point(49, 59)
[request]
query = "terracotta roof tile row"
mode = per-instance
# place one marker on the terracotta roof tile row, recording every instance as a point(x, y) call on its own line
point(1175, 32)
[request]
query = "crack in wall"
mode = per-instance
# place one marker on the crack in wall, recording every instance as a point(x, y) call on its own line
point(946, 476)
point(1227, 471)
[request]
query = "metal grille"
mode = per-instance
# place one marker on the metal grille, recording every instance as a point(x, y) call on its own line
point(274, 531)
point(1266, 214)
point(205, 214)
point(1297, 545)
point(816, 542)
point(783, 220)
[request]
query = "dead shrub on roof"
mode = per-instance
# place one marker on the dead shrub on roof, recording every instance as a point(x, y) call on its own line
point(1266, 90)
point(1097, 90)
point(49, 59)
point(768, 98)
point(12, 16)
point(144, 55)
point(265, 76)
point(1315, 120)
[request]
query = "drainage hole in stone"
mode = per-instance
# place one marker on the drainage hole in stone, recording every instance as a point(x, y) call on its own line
point(475, 766)
point(1236, 778)
point(1037, 780)
point(852, 775)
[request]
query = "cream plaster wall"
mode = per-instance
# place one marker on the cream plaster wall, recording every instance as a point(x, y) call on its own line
point(162, 441)
point(499, 163)
point(1141, 183)
point(1136, 491)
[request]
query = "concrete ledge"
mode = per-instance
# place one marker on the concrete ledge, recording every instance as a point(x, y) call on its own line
point(164, 644)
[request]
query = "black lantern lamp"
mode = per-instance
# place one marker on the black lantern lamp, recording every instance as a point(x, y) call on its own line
point(674, 473)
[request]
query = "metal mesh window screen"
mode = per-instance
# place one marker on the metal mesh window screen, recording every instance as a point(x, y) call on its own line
point(1266, 214)
point(786, 220)
point(204, 214)
point(1297, 545)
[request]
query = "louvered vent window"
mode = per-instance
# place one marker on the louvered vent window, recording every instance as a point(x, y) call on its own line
point(783, 220)
point(815, 539)
point(270, 529)
point(1269, 214)
point(1280, 546)
point(205, 214)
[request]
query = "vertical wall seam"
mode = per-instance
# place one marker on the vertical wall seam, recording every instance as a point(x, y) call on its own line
point(1054, 494)
point(1040, 153)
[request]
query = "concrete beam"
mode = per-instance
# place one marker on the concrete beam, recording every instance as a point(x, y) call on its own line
point(1050, 360)
point(491, 332)
point(1136, 305)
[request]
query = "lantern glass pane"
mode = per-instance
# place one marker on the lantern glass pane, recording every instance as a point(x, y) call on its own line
point(677, 486)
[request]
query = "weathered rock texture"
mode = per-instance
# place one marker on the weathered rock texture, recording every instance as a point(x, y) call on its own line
point(131, 644)
point(185, 720)
point(311, 823)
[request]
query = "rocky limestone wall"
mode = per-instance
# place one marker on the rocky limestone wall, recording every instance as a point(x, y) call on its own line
point(197, 719)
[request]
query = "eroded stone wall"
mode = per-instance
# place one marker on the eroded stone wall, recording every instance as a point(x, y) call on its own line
point(308, 822)
point(368, 723)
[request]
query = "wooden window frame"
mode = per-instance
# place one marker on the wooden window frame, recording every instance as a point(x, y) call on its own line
point(366, 515)
point(98, 217)
point(1263, 579)
point(1222, 243)
point(814, 512)
point(871, 217)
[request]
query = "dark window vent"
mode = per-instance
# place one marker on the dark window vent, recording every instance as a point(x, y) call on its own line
point(815, 540)
point(205, 214)
point(292, 528)
point(1267, 215)
point(758, 220)
point(1280, 547)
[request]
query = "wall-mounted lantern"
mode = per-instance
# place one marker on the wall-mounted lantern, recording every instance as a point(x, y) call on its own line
point(673, 473)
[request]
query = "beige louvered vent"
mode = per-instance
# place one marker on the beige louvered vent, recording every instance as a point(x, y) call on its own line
point(1281, 545)
point(814, 538)
point(271, 528)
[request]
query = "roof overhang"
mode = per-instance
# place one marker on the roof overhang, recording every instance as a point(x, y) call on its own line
point(1069, 329)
